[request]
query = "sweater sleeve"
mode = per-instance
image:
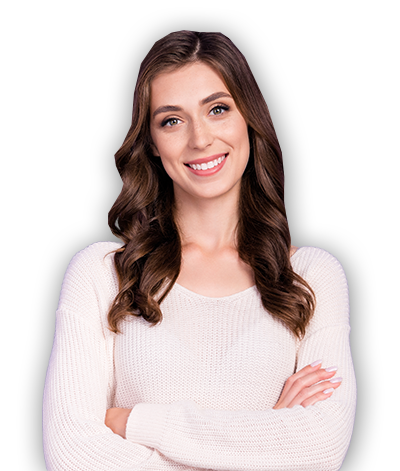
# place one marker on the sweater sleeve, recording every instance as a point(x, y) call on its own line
point(79, 384)
point(315, 438)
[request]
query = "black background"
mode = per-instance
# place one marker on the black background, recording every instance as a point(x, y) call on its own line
point(85, 91)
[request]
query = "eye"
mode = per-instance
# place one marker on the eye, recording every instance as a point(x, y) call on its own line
point(219, 109)
point(170, 122)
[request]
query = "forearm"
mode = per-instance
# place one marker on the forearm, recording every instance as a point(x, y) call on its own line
point(313, 438)
point(75, 437)
point(287, 439)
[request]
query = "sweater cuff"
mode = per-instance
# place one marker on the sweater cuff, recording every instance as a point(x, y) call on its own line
point(146, 424)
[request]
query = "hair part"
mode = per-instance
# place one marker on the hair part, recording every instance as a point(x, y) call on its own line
point(149, 262)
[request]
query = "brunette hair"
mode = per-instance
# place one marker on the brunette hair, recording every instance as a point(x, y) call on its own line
point(149, 262)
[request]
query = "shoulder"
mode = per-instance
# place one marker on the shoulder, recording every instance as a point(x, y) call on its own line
point(315, 263)
point(325, 275)
point(93, 255)
point(93, 261)
point(90, 278)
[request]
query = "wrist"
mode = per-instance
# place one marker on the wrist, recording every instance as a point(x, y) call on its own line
point(146, 424)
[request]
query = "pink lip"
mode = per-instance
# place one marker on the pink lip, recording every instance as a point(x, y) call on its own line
point(209, 171)
point(205, 159)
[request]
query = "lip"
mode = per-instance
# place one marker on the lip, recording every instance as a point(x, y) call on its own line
point(209, 171)
point(203, 160)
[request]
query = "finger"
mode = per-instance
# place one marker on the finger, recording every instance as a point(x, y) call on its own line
point(315, 366)
point(302, 383)
point(322, 396)
point(315, 393)
point(283, 399)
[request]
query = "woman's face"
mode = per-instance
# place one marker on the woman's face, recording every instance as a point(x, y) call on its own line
point(198, 132)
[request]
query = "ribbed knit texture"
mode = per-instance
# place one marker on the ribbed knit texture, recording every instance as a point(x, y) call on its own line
point(202, 383)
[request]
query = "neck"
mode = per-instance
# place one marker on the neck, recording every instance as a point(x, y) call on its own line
point(207, 223)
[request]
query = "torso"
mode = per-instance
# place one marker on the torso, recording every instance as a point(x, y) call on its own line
point(215, 274)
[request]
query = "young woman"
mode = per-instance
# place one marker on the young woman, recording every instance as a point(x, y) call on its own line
point(205, 340)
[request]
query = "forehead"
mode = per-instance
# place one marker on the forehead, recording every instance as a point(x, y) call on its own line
point(188, 84)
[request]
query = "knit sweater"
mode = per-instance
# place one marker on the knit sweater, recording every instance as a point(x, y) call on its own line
point(201, 384)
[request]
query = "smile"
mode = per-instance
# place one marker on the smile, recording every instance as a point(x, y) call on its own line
point(207, 165)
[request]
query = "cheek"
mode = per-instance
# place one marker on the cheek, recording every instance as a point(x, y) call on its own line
point(240, 136)
point(168, 145)
point(169, 151)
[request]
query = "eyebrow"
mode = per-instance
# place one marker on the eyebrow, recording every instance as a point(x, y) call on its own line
point(214, 96)
point(204, 101)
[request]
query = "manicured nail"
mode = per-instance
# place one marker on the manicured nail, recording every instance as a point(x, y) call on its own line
point(336, 380)
point(328, 391)
point(315, 363)
point(332, 368)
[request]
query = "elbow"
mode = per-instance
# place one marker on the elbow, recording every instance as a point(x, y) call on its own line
point(327, 459)
point(63, 440)
point(333, 463)
point(54, 448)
point(336, 436)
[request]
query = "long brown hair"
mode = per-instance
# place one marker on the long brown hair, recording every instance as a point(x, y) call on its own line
point(143, 214)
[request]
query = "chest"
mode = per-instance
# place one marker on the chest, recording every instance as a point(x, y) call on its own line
point(215, 274)
point(225, 353)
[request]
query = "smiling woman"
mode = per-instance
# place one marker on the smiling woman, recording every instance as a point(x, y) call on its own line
point(198, 343)
point(248, 246)
point(199, 129)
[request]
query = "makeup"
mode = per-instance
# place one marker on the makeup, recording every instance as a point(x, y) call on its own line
point(207, 165)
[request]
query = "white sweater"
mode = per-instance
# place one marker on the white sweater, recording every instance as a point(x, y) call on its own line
point(202, 383)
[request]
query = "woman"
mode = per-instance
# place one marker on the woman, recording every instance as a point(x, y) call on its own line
point(205, 340)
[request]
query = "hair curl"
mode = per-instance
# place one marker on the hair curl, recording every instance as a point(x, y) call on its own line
point(143, 214)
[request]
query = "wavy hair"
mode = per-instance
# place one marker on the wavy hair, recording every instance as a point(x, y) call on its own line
point(149, 262)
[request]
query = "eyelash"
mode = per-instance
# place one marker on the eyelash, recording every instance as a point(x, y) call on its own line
point(216, 107)
point(221, 106)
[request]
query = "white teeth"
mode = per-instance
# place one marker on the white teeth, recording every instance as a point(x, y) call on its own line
point(207, 165)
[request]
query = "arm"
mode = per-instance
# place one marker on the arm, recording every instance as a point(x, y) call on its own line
point(79, 383)
point(313, 438)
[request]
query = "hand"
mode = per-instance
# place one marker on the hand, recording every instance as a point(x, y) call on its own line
point(116, 419)
point(308, 386)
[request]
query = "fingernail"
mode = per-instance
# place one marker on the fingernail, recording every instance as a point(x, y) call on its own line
point(336, 380)
point(332, 368)
point(315, 363)
point(328, 391)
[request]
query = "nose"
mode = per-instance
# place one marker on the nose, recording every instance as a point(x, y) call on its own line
point(200, 135)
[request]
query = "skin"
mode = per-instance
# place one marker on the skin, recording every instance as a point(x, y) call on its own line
point(188, 122)
point(206, 206)
point(198, 130)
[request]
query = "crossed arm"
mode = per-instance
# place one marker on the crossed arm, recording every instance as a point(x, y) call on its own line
point(305, 388)
point(309, 428)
